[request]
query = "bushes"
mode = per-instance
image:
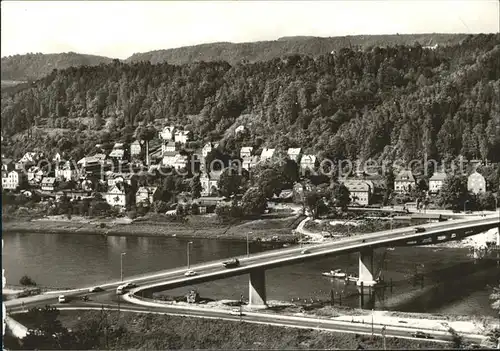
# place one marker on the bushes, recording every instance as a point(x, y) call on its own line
point(27, 281)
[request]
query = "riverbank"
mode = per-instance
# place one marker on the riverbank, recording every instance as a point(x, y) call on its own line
point(202, 226)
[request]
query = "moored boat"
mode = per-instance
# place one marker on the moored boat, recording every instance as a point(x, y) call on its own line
point(336, 273)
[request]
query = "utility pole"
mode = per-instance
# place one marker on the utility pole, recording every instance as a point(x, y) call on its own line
point(121, 265)
point(189, 243)
point(383, 337)
point(372, 322)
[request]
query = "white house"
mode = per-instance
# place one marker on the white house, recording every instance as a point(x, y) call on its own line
point(168, 147)
point(294, 154)
point(169, 158)
point(118, 154)
point(182, 136)
point(12, 180)
point(266, 154)
point(239, 129)
point(29, 157)
point(35, 175)
point(476, 183)
point(48, 184)
point(246, 151)
point(180, 162)
point(116, 196)
point(135, 148)
point(67, 171)
point(307, 162)
point(209, 183)
point(206, 149)
point(436, 182)
point(404, 182)
point(145, 193)
point(57, 157)
point(250, 162)
point(167, 133)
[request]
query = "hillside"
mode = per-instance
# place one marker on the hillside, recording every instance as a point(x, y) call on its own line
point(403, 101)
point(267, 50)
point(34, 66)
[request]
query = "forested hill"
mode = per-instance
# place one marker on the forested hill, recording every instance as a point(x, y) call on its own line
point(304, 45)
point(402, 100)
point(34, 66)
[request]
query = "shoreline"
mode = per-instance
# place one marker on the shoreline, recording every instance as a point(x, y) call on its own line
point(149, 229)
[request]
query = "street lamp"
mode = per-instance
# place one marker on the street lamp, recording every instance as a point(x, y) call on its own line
point(248, 245)
point(121, 265)
point(188, 251)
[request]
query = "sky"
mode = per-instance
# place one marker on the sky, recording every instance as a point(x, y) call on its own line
point(120, 28)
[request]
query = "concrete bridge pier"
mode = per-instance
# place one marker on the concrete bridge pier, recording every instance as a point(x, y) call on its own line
point(257, 288)
point(366, 269)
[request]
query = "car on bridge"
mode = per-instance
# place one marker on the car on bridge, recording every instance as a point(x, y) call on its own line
point(95, 289)
point(305, 251)
point(62, 299)
point(232, 263)
point(190, 273)
point(422, 335)
point(419, 230)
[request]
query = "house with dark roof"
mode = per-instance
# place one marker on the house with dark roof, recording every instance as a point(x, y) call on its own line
point(436, 182)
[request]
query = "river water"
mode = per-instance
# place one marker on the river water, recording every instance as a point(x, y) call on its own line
point(452, 283)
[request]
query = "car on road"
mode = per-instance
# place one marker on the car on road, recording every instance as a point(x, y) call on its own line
point(190, 273)
point(95, 289)
point(236, 312)
point(129, 285)
point(363, 241)
point(62, 299)
point(419, 230)
point(422, 335)
point(305, 251)
point(231, 263)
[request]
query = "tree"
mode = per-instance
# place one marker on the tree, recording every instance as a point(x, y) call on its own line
point(254, 202)
point(195, 186)
point(159, 206)
point(454, 192)
point(270, 181)
point(146, 133)
point(486, 201)
point(340, 196)
point(312, 201)
point(229, 182)
point(27, 281)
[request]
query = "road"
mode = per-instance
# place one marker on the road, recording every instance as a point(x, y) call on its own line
point(118, 304)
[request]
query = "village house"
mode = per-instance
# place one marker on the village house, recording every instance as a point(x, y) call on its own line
point(182, 136)
point(250, 162)
point(294, 154)
point(12, 180)
point(116, 196)
point(239, 129)
point(35, 175)
point(117, 154)
point(7, 164)
point(29, 157)
point(116, 178)
point(169, 158)
point(168, 147)
point(146, 193)
point(206, 149)
point(48, 184)
point(73, 195)
point(266, 154)
point(307, 162)
point(246, 152)
point(208, 203)
point(91, 161)
point(404, 182)
point(57, 158)
point(67, 171)
point(180, 162)
point(360, 191)
point(167, 133)
point(135, 148)
point(210, 183)
point(436, 182)
point(476, 183)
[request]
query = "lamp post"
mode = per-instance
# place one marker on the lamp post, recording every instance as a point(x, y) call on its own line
point(248, 245)
point(372, 322)
point(383, 336)
point(188, 252)
point(121, 265)
point(465, 205)
point(392, 218)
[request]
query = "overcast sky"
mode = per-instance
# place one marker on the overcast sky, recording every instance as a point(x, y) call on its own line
point(119, 29)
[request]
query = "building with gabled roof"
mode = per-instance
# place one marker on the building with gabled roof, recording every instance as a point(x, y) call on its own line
point(436, 182)
point(266, 154)
point(294, 153)
point(307, 162)
point(476, 183)
point(404, 182)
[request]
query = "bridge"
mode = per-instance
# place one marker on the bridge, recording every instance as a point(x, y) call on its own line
point(255, 265)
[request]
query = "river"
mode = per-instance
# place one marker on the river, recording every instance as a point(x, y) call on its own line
point(452, 283)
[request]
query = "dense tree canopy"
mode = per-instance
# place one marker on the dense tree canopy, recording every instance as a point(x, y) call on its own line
point(403, 101)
